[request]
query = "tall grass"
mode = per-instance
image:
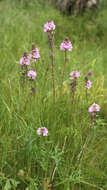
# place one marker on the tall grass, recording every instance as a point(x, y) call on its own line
point(33, 162)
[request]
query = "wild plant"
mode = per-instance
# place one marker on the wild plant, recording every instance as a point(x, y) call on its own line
point(49, 158)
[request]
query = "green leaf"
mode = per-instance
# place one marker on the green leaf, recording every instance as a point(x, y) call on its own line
point(7, 185)
point(14, 182)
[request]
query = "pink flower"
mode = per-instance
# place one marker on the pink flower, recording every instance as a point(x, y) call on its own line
point(66, 45)
point(90, 73)
point(74, 74)
point(94, 108)
point(49, 26)
point(35, 53)
point(32, 74)
point(25, 61)
point(42, 131)
point(88, 84)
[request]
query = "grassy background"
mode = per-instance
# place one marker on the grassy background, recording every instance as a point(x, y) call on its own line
point(27, 161)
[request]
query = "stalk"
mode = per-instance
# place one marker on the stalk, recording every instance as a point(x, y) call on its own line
point(65, 62)
point(73, 89)
point(54, 170)
point(93, 118)
point(86, 92)
point(51, 45)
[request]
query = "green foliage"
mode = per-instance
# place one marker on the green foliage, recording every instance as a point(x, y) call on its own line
point(31, 162)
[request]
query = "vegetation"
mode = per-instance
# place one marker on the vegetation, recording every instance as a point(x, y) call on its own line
point(60, 160)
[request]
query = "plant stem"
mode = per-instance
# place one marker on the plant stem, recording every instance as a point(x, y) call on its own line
point(86, 94)
point(63, 147)
point(65, 62)
point(93, 117)
point(51, 45)
point(73, 89)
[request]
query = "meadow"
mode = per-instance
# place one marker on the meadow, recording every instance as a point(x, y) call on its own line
point(73, 155)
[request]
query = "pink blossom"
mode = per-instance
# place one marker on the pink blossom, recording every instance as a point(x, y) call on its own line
point(66, 45)
point(42, 131)
point(49, 26)
point(90, 73)
point(74, 74)
point(88, 84)
point(94, 108)
point(25, 60)
point(32, 74)
point(35, 53)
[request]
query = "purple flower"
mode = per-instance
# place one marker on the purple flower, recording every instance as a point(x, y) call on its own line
point(42, 131)
point(88, 84)
point(66, 45)
point(35, 53)
point(25, 60)
point(74, 75)
point(90, 73)
point(49, 26)
point(94, 108)
point(32, 74)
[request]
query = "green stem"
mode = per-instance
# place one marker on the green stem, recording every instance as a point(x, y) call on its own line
point(52, 64)
point(65, 62)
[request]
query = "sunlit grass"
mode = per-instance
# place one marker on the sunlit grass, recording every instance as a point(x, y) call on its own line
point(28, 161)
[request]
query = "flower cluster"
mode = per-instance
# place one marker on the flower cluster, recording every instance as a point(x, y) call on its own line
point(66, 45)
point(90, 73)
point(88, 84)
point(25, 71)
point(43, 131)
point(34, 54)
point(74, 75)
point(32, 74)
point(49, 26)
point(94, 108)
point(25, 60)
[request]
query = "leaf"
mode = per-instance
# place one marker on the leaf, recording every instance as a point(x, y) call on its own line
point(14, 182)
point(7, 185)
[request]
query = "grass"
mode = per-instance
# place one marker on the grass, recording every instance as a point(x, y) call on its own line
point(27, 160)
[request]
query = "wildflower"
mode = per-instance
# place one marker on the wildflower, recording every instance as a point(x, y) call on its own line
point(34, 53)
point(90, 73)
point(88, 84)
point(49, 26)
point(66, 45)
point(42, 131)
point(74, 75)
point(94, 108)
point(32, 74)
point(25, 60)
